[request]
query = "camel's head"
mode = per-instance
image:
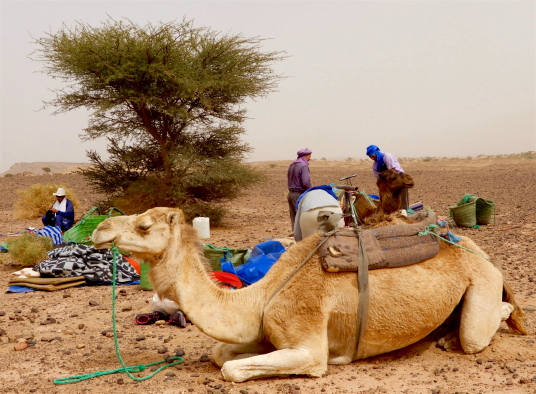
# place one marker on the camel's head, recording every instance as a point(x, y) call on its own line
point(147, 236)
point(389, 181)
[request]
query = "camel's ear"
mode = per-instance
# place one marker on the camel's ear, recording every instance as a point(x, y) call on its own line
point(175, 217)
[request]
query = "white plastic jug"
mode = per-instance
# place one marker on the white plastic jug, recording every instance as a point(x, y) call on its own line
point(202, 225)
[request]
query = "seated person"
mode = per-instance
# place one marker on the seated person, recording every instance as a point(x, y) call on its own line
point(62, 212)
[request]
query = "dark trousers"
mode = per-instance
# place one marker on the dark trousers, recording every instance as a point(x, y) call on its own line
point(292, 198)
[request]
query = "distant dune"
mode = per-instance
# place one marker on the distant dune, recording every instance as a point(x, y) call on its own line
point(37, 168)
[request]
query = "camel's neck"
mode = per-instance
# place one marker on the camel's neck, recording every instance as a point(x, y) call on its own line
point(227, 315)
point(390, 202)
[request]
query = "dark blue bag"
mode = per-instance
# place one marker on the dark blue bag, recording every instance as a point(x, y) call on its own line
point(262, 258)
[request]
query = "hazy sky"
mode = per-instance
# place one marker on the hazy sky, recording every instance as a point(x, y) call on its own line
point(416, 78)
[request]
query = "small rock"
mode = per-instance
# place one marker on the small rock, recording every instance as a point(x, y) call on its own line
point(140, 338)
point(20, 346)
point(2, 313)
point(126, 309)
point(204, 358)
point(81, 326)
point(120, 381)
point(93, 303)
point(67, 352)
point(179, 353)
point(66, 295)
point(51, 320)
point(162, 350)
point(479, 361)
point(80, 346)
point(74, 314)
point(171, 374)
point(524, 381)
point(3, 332)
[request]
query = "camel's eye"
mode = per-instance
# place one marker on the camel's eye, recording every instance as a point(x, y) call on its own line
point(144, 226)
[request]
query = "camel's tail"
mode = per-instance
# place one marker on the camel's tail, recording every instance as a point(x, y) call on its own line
point(515, 321)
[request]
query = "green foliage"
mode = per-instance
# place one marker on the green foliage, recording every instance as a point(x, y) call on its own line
point(8, 175)
point(46, 170)
point(29, 249)
point(168, 97)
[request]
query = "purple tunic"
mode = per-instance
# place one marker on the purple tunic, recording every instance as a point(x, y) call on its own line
point(298, 177)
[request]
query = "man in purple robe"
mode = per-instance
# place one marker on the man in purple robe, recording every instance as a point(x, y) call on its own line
point(299, 180)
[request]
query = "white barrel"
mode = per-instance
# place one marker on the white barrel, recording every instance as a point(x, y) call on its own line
point(202, 225)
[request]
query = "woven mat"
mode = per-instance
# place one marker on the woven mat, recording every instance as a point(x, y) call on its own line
point(386, 247)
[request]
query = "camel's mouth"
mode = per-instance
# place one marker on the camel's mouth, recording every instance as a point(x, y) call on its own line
point(102, 245)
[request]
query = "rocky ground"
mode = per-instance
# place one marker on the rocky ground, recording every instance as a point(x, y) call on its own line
point(67, 331)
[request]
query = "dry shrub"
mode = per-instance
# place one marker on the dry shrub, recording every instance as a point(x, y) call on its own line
point(36, 200)
point(29, 249)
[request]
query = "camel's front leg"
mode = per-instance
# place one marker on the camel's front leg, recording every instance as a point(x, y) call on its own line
point(292, 361)
point(224, 352)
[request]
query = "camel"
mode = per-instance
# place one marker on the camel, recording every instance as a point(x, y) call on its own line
point(279, 328)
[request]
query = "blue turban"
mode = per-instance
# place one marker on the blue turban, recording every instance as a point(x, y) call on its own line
point(372, 150)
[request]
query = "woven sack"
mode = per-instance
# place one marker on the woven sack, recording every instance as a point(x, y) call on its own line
point(464, 215)
point(484, 210)
point(214, 254)
point(81, 232)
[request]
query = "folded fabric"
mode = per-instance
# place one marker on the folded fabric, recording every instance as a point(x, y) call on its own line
point(48, 284)
point(52, 232)
point(95, 265)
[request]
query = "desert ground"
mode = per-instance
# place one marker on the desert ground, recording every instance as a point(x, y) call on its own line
point(75, 344)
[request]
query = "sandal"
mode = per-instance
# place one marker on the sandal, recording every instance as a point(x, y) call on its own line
point(178, 319)
point(150, 318)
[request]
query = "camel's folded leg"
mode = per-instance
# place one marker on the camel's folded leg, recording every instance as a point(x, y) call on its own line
point(297, 361)
point(482, 311)
point(224, 352)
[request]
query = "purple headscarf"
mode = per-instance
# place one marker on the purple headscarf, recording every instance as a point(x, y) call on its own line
point(301, 153)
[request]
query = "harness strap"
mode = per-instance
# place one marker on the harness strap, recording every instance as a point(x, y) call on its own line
point(363, 294)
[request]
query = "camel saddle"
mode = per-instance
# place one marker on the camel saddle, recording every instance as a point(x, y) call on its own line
point(386, 247)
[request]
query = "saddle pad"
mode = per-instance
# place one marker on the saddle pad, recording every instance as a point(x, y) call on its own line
point(386, 247)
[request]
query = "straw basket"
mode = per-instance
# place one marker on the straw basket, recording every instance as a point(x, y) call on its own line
point(81, 232)
point(484, 210)
point(464, 215)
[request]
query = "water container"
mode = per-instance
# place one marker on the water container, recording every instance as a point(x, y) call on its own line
point(145, 283)
point(202, 225)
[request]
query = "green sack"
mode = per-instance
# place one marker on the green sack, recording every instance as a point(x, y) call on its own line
point(81, 232)
point(214, 254)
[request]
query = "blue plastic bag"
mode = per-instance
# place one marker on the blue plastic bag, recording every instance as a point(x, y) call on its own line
point(262, 258)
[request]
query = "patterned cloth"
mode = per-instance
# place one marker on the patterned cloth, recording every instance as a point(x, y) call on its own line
point(51, 232)
point(87, 261)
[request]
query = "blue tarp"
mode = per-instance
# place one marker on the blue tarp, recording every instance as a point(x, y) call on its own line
point(261, 259)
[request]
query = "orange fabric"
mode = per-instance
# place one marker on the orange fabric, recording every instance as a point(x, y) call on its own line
point(134, 263)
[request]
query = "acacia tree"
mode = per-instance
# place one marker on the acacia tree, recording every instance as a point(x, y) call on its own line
point(168, 97)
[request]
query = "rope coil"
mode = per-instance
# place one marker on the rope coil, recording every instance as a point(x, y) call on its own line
point(125, 369)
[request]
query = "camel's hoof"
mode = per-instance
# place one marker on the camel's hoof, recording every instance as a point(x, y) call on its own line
point(450, 342)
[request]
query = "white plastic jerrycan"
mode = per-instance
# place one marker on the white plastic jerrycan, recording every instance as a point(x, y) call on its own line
point(202, 225)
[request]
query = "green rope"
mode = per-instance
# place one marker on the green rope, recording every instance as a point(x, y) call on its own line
point(125, 369)
point(429, 230)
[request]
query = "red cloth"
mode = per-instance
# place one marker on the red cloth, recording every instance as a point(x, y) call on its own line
point(227, 279)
